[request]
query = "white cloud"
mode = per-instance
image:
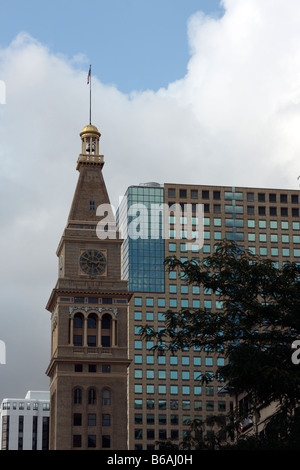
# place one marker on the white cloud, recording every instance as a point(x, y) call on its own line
point(233, 119)
point(243, 76)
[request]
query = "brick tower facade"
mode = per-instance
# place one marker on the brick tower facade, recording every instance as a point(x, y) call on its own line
point(89, 309)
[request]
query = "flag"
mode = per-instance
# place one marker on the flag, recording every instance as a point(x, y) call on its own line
point(89, 76)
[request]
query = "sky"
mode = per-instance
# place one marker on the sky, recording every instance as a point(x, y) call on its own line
point(192, 92)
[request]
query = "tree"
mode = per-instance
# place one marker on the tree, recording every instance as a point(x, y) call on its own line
point(259, 320)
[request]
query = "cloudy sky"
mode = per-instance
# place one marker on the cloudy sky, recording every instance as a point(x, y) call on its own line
point(201, 92)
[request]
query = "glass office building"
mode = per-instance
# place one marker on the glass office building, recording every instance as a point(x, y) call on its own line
point(165, 392)
point(142, 227)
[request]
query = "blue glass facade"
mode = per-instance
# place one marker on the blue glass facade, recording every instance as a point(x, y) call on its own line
point(140, 219)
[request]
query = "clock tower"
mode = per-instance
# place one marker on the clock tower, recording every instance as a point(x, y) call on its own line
point(88, 306)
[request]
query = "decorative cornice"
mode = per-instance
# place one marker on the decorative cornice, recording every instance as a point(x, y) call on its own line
point(93, 309)
point(73, 292)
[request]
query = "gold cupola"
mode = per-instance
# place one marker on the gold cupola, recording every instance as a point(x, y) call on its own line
point(90, 137)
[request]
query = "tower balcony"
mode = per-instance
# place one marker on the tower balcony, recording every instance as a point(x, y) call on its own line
point(90, 159)
point(87, 353)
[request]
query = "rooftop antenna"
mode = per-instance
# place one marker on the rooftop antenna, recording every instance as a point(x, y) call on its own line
point(89, 82)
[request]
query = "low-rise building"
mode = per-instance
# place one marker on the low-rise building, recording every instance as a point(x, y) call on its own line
point(24, 422)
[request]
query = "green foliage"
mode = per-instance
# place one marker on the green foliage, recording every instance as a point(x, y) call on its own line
point(254, 330)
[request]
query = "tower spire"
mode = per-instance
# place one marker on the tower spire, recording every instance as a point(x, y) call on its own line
point(89, 268)
point(89, 155)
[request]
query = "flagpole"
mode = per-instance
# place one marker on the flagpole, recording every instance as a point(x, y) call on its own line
point(90, 73)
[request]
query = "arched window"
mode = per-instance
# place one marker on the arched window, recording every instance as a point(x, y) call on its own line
point(78, 320)
point(77, 396)
point(106, 399)
point(92, 326)
point(77, 329)
point(106, 331)
point(92, 321)
point(92, 396)
point(105, 323)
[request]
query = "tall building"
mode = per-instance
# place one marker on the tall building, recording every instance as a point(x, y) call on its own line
point(25, 422)
point(88, 306)
point(143, 235)
point(165, 392)
point(108, 389)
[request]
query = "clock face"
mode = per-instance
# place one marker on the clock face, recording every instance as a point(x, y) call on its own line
point(92, 262)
